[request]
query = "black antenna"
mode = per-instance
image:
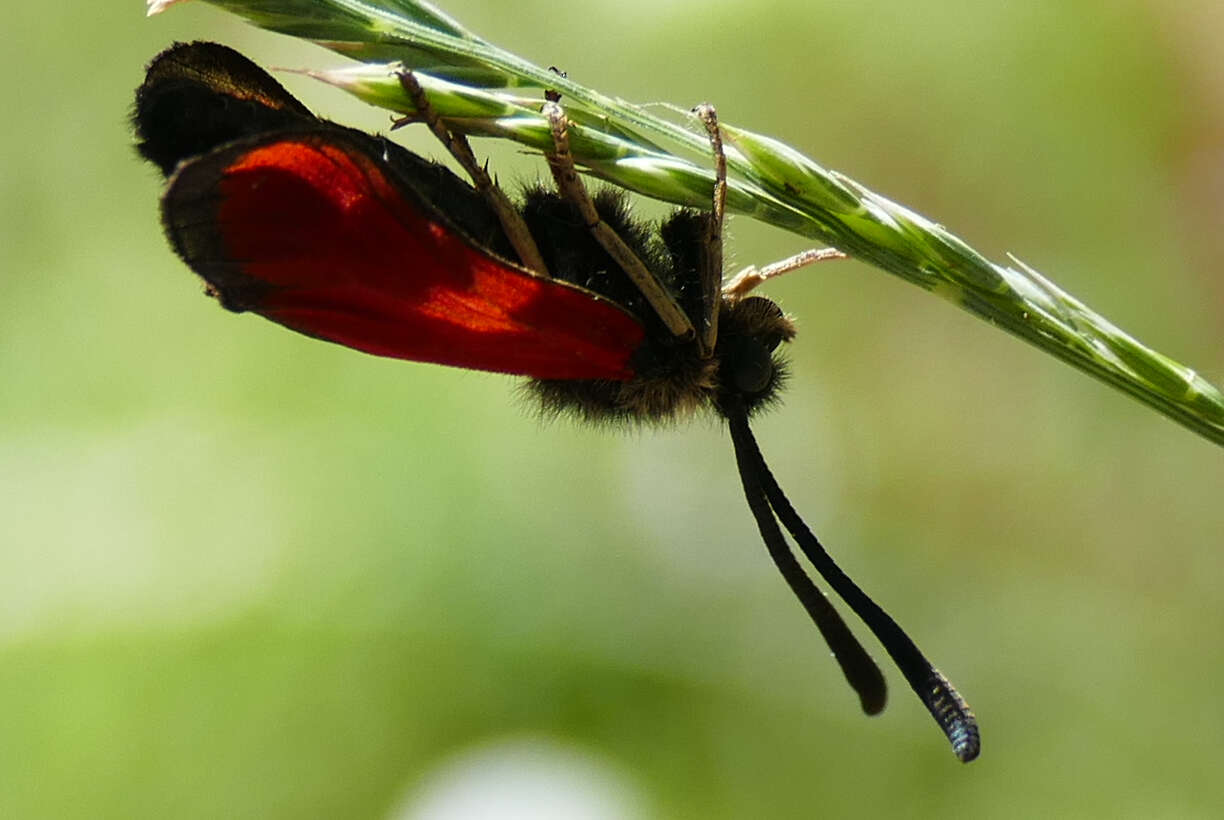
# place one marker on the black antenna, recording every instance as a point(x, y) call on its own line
point(860, 670)
point(766, 500)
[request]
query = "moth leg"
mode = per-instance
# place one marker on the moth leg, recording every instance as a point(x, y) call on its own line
point(561, 163)
point(712, 262)
point(752, 276)
point(511, 220)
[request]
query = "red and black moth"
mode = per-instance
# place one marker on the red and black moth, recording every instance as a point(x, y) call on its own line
point(349, 238)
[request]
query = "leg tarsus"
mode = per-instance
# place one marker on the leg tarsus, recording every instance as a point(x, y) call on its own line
point(751, 277)
point(712, 265)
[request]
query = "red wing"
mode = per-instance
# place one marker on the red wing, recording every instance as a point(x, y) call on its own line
point(316, 232)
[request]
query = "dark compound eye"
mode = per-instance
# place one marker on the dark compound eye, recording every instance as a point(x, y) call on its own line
point(747, 367)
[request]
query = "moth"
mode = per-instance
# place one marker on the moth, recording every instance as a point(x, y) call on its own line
point(349, 238)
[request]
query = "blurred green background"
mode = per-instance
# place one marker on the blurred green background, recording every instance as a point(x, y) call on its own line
point(246, 574)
